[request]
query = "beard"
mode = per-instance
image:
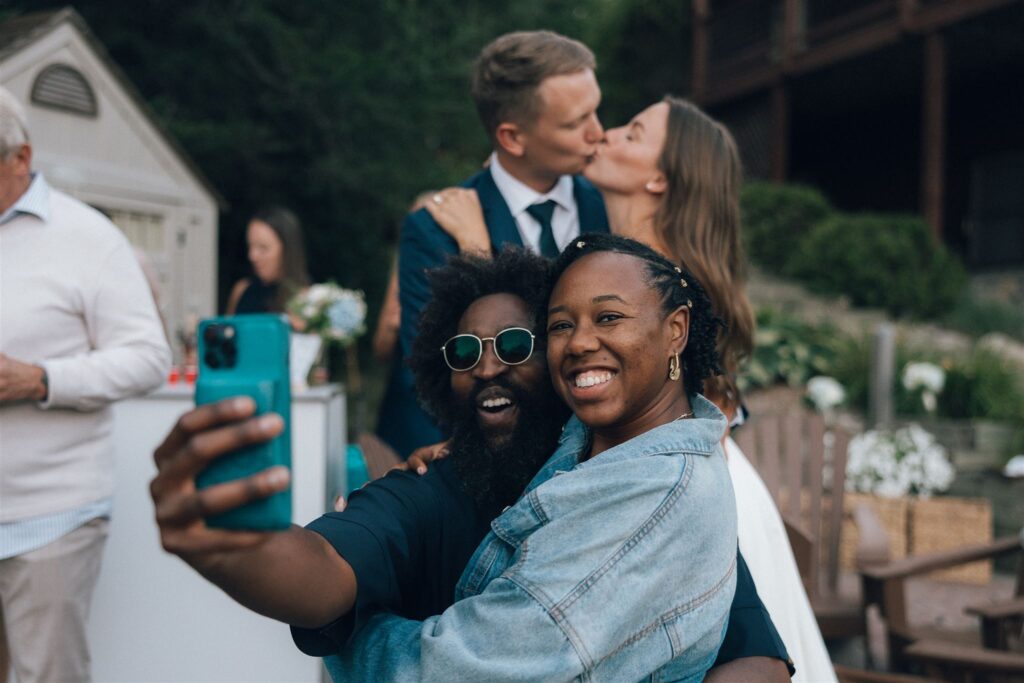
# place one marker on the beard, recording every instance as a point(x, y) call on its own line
point(493, 471)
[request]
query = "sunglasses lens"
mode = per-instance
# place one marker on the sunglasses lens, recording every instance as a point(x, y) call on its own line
point(462, 352)
point(513, 346)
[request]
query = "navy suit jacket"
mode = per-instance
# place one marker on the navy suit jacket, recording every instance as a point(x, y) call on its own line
point(425, 245)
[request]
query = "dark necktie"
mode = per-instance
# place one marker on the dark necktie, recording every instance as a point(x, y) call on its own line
point(542, 212)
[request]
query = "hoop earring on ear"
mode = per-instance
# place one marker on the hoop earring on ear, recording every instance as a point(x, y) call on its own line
point(674, 370)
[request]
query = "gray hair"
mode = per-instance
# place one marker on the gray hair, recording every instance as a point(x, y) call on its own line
point(13, 124)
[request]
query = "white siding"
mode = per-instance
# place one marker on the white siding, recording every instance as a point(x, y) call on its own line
point(120, 163)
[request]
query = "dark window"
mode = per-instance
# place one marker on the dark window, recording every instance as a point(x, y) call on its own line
point(60, 86)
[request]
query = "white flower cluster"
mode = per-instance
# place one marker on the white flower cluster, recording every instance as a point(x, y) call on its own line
point(825, 392)
point(928, 378)
point(896, 463)
point(335, 313)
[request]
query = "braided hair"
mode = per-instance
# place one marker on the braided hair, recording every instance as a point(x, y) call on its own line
point(676, 286)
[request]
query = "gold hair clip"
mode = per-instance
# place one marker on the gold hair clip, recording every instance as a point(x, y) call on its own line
point(679, 270)
point(689, 304)
point(682, 282)
point(580, 244)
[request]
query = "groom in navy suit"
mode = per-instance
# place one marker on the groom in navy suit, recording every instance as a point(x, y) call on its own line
point(537, 96)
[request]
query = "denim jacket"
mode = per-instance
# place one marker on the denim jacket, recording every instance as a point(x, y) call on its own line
point(618, 568)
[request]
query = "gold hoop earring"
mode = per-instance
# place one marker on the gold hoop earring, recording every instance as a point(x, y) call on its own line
point(674, 370)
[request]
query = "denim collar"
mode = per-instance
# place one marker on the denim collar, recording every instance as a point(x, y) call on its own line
point(699, 434)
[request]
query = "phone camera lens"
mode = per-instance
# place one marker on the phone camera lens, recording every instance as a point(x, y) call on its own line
point(212, 359)
point(211, 334)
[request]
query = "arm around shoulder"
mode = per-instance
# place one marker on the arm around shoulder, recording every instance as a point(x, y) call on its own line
point(536, 620)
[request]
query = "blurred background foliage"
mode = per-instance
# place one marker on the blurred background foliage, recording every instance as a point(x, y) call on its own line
point(878, 260)
point(345, 111)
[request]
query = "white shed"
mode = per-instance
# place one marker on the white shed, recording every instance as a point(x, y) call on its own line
point(95, 138)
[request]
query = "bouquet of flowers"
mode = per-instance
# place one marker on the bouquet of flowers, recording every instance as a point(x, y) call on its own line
point(893, 463)
point(338, 315)
point(926, 378)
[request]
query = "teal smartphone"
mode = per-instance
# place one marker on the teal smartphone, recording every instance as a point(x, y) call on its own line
point(247, 355)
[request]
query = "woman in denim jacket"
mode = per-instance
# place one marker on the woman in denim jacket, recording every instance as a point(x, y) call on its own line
point(618, 563)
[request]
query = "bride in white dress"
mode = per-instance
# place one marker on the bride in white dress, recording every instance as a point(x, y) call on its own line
point(765, 547)
point(671, 179)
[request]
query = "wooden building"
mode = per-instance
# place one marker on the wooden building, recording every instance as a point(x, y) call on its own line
point(95, 138)
point(886, 105)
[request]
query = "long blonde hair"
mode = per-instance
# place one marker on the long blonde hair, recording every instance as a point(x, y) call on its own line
point(699, 220)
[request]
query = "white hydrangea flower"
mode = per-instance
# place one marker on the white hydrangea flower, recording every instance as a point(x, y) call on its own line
point(926, 376)
point(825, 392)
point(897, 463)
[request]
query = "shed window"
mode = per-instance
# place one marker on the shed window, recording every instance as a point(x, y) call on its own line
point(63, 87)
point(143, 230)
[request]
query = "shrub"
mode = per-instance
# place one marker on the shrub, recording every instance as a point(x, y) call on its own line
point(881, 260)
point(852, 367)
point(788, 351)
point(983, 386)
point(978, 317)
point(775, 220)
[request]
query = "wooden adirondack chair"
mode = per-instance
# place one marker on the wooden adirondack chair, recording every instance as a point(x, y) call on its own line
point(792, 453)
point(379, 456)
point(847, 674)
point(885, 585)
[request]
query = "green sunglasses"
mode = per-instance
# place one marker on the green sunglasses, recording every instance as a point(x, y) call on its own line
point(512, 346)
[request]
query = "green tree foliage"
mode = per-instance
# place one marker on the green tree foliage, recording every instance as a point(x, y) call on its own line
point(984, 386)
point(644, 53)
point(343, 111)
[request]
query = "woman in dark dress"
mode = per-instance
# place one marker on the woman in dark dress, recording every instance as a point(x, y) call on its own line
point(278, 259)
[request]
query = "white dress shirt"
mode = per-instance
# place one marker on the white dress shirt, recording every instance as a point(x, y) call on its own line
point(565, 221)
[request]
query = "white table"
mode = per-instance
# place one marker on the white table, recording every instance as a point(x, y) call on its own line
point(155, 619)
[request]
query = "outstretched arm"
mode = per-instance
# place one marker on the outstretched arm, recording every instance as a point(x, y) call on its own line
point(293, 576)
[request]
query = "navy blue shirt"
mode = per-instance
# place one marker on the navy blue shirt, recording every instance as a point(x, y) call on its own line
point(409, 537)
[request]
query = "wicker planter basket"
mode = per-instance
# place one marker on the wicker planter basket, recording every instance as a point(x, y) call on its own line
point(917, 525)
point(892, 513)
point(946, 523)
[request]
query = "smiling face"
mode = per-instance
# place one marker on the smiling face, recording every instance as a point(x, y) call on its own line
point(266, 252)
point(609, 345)
point(627, 160)
point(492, 391)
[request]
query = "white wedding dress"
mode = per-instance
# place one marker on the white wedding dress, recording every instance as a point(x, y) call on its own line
point(766, 549)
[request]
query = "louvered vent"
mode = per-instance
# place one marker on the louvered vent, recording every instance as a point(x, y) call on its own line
point(62, 87)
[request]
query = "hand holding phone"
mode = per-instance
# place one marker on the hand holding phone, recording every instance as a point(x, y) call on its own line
point(247, 355)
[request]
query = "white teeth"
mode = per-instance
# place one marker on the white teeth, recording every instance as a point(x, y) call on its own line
point(496, 402)
point(592, 378)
